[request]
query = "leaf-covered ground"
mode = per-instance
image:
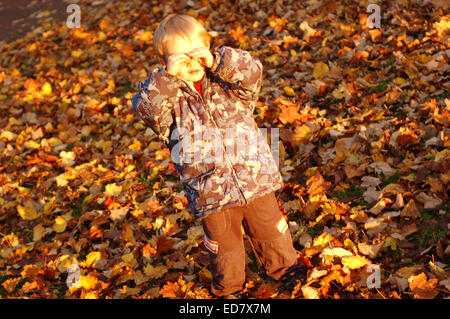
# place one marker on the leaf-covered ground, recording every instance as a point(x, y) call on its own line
point(364, 122)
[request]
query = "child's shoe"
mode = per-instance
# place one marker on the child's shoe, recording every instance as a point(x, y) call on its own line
point(297, 272)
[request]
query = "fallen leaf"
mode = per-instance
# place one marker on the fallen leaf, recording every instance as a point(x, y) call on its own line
point(355, 262)
point(310, 292)
point(423, 288)
point(320, 70)
point(429, 202)
point(28, 211)
point(371, 251)
point(410, 210)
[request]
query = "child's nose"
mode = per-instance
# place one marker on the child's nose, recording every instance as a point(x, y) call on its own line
point(192, 62)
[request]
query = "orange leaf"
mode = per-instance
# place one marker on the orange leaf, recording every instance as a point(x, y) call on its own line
point(316, 184)
point(423, 288)
point(289, 114)
point(128, 50)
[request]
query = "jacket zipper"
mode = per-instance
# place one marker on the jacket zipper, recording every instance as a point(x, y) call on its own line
point(226, 155)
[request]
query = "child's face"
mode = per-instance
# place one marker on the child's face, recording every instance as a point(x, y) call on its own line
point(191, 70)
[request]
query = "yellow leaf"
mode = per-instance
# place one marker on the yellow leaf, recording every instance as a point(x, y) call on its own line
point(91, 295)
point(60, 224)
point(336, 252)
point(49, 205)
point(135, 146)
point(113, 189)
point(27, 212)
point(159, 221)
point(10, 136)
point(32, 47)
point(128, 233)
point(46, 89)
point(340, 92)
point(354, 262)
point(129, 259)
point(302, 134)
point(92, 257)
point(155, 272)
point(81, 35)
point(320, 70)
point(398, 81)
point(391, 243)
point(31, 144)
point(38, 232)
point(101, 36)
point(323, 239)
point(310, 292)
point(88, 89)
point(155, 145)
point(289, 91)
point(88, 282)
point(67, 158)
point(144, 36)
point(350, 245)
point(409, 177)
point(76, 53)
point(61, 180)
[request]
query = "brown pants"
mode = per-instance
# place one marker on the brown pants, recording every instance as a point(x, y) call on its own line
point(268, 233)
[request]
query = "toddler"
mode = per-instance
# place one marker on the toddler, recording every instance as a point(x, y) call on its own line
point(200, 104)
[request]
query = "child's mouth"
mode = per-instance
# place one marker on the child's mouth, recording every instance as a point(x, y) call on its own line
point(195, 71)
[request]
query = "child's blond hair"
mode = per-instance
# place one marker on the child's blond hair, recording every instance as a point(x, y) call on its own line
point(178, 25)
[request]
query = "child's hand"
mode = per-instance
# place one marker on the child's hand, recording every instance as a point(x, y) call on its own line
point(203, 55)
point(175, 62)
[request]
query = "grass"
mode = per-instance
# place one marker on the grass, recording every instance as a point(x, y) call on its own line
point(314, 230)
point(430, 234)
point(353, 191)
point(441, 96)
point(382, 86)
point(389, 180)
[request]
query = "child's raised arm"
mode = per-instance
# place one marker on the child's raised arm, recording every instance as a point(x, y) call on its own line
point(239, 67)
point(154, 103)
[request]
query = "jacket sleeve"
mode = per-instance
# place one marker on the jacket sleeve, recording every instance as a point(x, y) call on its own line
point(238, 67)
point(154, 103)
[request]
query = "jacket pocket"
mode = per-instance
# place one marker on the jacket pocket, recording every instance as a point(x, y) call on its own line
point(194, 188)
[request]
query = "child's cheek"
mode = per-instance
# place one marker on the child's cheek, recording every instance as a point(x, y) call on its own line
point(184, 74)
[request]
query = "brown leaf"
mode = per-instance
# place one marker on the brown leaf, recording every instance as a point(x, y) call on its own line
point(164, 244)
point(406, 138)
point(410, 210)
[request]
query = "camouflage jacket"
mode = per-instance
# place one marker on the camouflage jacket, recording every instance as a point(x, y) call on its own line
point(220, 155)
